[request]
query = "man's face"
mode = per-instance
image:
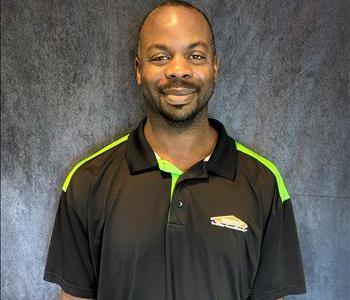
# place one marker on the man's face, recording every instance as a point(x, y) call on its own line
point(176, 66)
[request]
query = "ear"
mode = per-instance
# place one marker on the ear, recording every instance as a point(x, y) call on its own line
point(216, 65)
point(137, 67)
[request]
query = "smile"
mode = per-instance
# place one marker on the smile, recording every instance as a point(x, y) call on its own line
point(179, 91)
point(178, 99)
point(178, 96)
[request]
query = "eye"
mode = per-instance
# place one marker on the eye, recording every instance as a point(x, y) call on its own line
point(196, 57)
point(160, 58)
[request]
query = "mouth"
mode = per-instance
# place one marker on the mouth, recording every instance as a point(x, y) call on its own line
point(178, 96)
point(179, 91)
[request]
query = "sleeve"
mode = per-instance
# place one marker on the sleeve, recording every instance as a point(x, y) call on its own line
point(280, 270)
point(69, 261)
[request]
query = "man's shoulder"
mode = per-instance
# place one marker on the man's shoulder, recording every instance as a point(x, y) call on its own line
point(256, 164)
point(92, 164)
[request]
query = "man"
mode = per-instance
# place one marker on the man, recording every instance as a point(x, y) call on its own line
point(177, 209)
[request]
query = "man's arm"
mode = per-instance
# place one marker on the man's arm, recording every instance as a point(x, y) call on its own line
point(65, 296)
point(69, 261)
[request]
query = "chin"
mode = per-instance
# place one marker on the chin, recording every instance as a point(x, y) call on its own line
point(180, 120)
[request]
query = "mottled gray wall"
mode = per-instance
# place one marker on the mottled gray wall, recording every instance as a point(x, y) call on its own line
point(67, 87)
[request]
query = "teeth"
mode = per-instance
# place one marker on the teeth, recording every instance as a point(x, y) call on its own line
point(178, 99)
point(179, 92)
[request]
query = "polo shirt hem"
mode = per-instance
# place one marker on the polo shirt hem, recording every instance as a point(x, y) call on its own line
point(281, 292)
point(69, 288)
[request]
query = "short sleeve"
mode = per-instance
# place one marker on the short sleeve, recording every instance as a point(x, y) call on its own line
point(69, 261)
point(280, 270)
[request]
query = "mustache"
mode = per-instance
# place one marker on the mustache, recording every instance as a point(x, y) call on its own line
point(178, 83)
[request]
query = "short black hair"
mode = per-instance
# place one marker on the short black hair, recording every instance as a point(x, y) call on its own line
point(177, 3)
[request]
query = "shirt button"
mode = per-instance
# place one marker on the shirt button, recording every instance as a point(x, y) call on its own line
point(180, 204)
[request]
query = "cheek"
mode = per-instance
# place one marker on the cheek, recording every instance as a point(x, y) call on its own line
point(204, 73)
point(206, 77)
point(152, 76)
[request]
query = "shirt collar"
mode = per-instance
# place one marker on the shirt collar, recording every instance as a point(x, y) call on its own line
point(205, 159)
point(222, 162)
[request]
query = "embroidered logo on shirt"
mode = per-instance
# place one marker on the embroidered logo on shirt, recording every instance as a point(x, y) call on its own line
point(229, 221)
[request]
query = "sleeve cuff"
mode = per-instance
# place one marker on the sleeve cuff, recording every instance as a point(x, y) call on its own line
point(274, 294)
point(68, 288)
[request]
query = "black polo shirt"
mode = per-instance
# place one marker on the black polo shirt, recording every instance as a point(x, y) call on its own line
point(228, 233)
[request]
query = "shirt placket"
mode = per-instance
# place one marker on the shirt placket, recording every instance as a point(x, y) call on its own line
point(176, 224)
point(175, 173)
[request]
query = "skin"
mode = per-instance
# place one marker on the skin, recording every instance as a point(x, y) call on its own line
point(175, 52)
point(177, 126)
point(65, 296)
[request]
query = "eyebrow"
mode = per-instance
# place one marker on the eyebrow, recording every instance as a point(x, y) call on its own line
point(191, 46)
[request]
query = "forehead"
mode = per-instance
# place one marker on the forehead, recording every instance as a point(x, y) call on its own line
point(174, 25)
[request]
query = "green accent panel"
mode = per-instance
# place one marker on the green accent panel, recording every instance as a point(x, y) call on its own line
point(175, 172)
point(282, 189)
point(174, 178)
point(79, 164)
point(168, 167)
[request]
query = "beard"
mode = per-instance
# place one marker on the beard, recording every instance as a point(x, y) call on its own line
point(178, 116)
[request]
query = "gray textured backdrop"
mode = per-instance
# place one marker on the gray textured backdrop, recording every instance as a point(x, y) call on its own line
point(67, 88)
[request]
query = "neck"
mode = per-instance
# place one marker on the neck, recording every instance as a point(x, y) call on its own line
point(181, 145)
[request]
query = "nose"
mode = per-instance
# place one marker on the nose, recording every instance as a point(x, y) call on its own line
point(178, 67)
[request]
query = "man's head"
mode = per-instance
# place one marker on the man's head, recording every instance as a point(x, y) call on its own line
point(177, 4)
point(176, 63)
